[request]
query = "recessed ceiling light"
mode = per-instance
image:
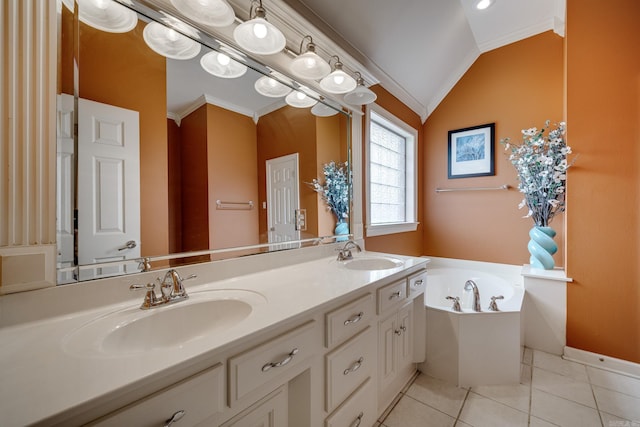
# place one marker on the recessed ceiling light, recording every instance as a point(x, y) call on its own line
point(483, 4)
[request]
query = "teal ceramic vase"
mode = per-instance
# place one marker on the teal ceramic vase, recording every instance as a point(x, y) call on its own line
point(542, 247)
point(342, 227)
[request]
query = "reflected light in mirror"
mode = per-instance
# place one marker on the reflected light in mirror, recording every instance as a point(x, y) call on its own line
point(323, 110)
point(107, 15)
point(221, 65)
point(270, 87)
point(168, 42)
point(216, 13)
point(299, 99)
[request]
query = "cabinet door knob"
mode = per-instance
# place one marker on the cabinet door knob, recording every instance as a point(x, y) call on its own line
point(177, 416)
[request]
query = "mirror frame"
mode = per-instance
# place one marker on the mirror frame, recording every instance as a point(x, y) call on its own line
point(151, 11)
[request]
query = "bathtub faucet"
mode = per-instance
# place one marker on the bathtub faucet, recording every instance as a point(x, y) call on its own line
point(471, 285)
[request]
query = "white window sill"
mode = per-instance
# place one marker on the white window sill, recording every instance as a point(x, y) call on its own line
point(382, 229)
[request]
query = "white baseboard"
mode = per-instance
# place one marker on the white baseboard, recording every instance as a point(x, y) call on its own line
point(612, 364)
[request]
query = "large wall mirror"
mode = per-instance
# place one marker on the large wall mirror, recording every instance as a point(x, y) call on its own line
point(158, 156)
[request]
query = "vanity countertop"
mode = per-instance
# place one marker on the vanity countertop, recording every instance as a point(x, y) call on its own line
point(41, 377)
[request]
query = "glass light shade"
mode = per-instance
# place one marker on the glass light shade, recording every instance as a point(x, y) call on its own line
point(221, 65)
point(107, 15)
point(168, 42)
point(338, 82)
point(361, 95)
point(323, 110)
point(270, 87)
point(300, 99)
point(216, 13)
point(310, 66)
point(259, 36)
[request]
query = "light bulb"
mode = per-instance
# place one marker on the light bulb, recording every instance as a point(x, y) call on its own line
point(310, 62)
point(101, 4)
point(172, 35)
point(300, 96)
point(260, 30)
point(223, 59)
point(338, 79)
point(483, 4)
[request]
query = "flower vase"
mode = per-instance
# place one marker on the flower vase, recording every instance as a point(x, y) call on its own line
point(542, 247)
point(342, 228)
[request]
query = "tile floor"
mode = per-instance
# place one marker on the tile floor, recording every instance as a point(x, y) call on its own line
point(552, 392)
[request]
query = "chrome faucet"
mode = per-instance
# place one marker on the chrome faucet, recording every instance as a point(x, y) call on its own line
point(471, 285)
point(345, 254)
point(171, 290)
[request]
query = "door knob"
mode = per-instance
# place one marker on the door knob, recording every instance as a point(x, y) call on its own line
point(129, 245)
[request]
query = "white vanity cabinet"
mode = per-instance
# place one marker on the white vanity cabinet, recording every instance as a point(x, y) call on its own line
point(271, 411)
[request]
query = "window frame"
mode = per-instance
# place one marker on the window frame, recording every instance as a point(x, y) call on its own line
point(411, 173)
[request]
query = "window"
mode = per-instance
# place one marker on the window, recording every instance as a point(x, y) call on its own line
point(391, 173)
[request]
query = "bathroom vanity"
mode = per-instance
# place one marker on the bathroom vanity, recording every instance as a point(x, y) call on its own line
point(317, 342)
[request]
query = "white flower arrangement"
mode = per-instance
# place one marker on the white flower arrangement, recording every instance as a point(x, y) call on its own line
point(336, 188)
point(541, 163)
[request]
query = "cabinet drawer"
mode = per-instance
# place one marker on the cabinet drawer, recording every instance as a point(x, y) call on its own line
point(261, 364)
point(416, 284)
point(271, 411)
point(348, 366)
point(199, 396)
point(357, 411)
point(348, 320)
point(392, 294)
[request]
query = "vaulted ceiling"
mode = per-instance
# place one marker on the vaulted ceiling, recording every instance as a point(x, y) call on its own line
point(419, 49)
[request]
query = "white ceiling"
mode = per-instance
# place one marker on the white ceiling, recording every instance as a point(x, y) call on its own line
point(419, 49)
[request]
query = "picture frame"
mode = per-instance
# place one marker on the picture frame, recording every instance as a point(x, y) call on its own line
point(471, 151)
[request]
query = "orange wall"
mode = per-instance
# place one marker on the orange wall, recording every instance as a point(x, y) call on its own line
point(232, 156)
point(517, 86)
point(175, 186)
point(120, 70)
point(603, 226)
point(409, 243)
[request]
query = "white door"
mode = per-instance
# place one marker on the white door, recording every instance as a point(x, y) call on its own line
point(65, 167)
point(283, 200)
point(108, 187)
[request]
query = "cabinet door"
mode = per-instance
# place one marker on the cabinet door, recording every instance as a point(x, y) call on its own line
point(271, 411)
point(405, 338)
point(387, 354)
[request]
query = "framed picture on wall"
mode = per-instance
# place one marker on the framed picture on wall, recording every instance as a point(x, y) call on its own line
point(471, 151)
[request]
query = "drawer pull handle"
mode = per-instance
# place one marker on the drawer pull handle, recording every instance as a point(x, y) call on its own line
point(395, 295)
point(177, 416)
point(283, 362)
point(417, 283)
point(354, 367)
point(357, 421)
point(354, 319)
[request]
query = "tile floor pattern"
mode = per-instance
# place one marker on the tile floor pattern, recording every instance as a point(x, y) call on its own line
point(552, 392)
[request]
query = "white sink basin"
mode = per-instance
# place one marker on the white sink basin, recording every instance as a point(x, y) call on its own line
point(133, 330)
point(373, 263)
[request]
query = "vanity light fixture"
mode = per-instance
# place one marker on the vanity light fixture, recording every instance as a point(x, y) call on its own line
point(257, 35)
point(338, 81)
point(107, 15)
point(168, 42)
point(323, 110)
point(309, 65)
point(216, 13)
point(483, 4)
point(222, 65)
point(361, 95)
point(300, 98)
point(268, 86)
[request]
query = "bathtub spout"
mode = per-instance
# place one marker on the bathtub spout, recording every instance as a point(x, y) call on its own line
point(471, 285)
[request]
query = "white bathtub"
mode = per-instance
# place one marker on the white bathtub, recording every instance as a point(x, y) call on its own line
point(472, 348)
point(449, 281)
